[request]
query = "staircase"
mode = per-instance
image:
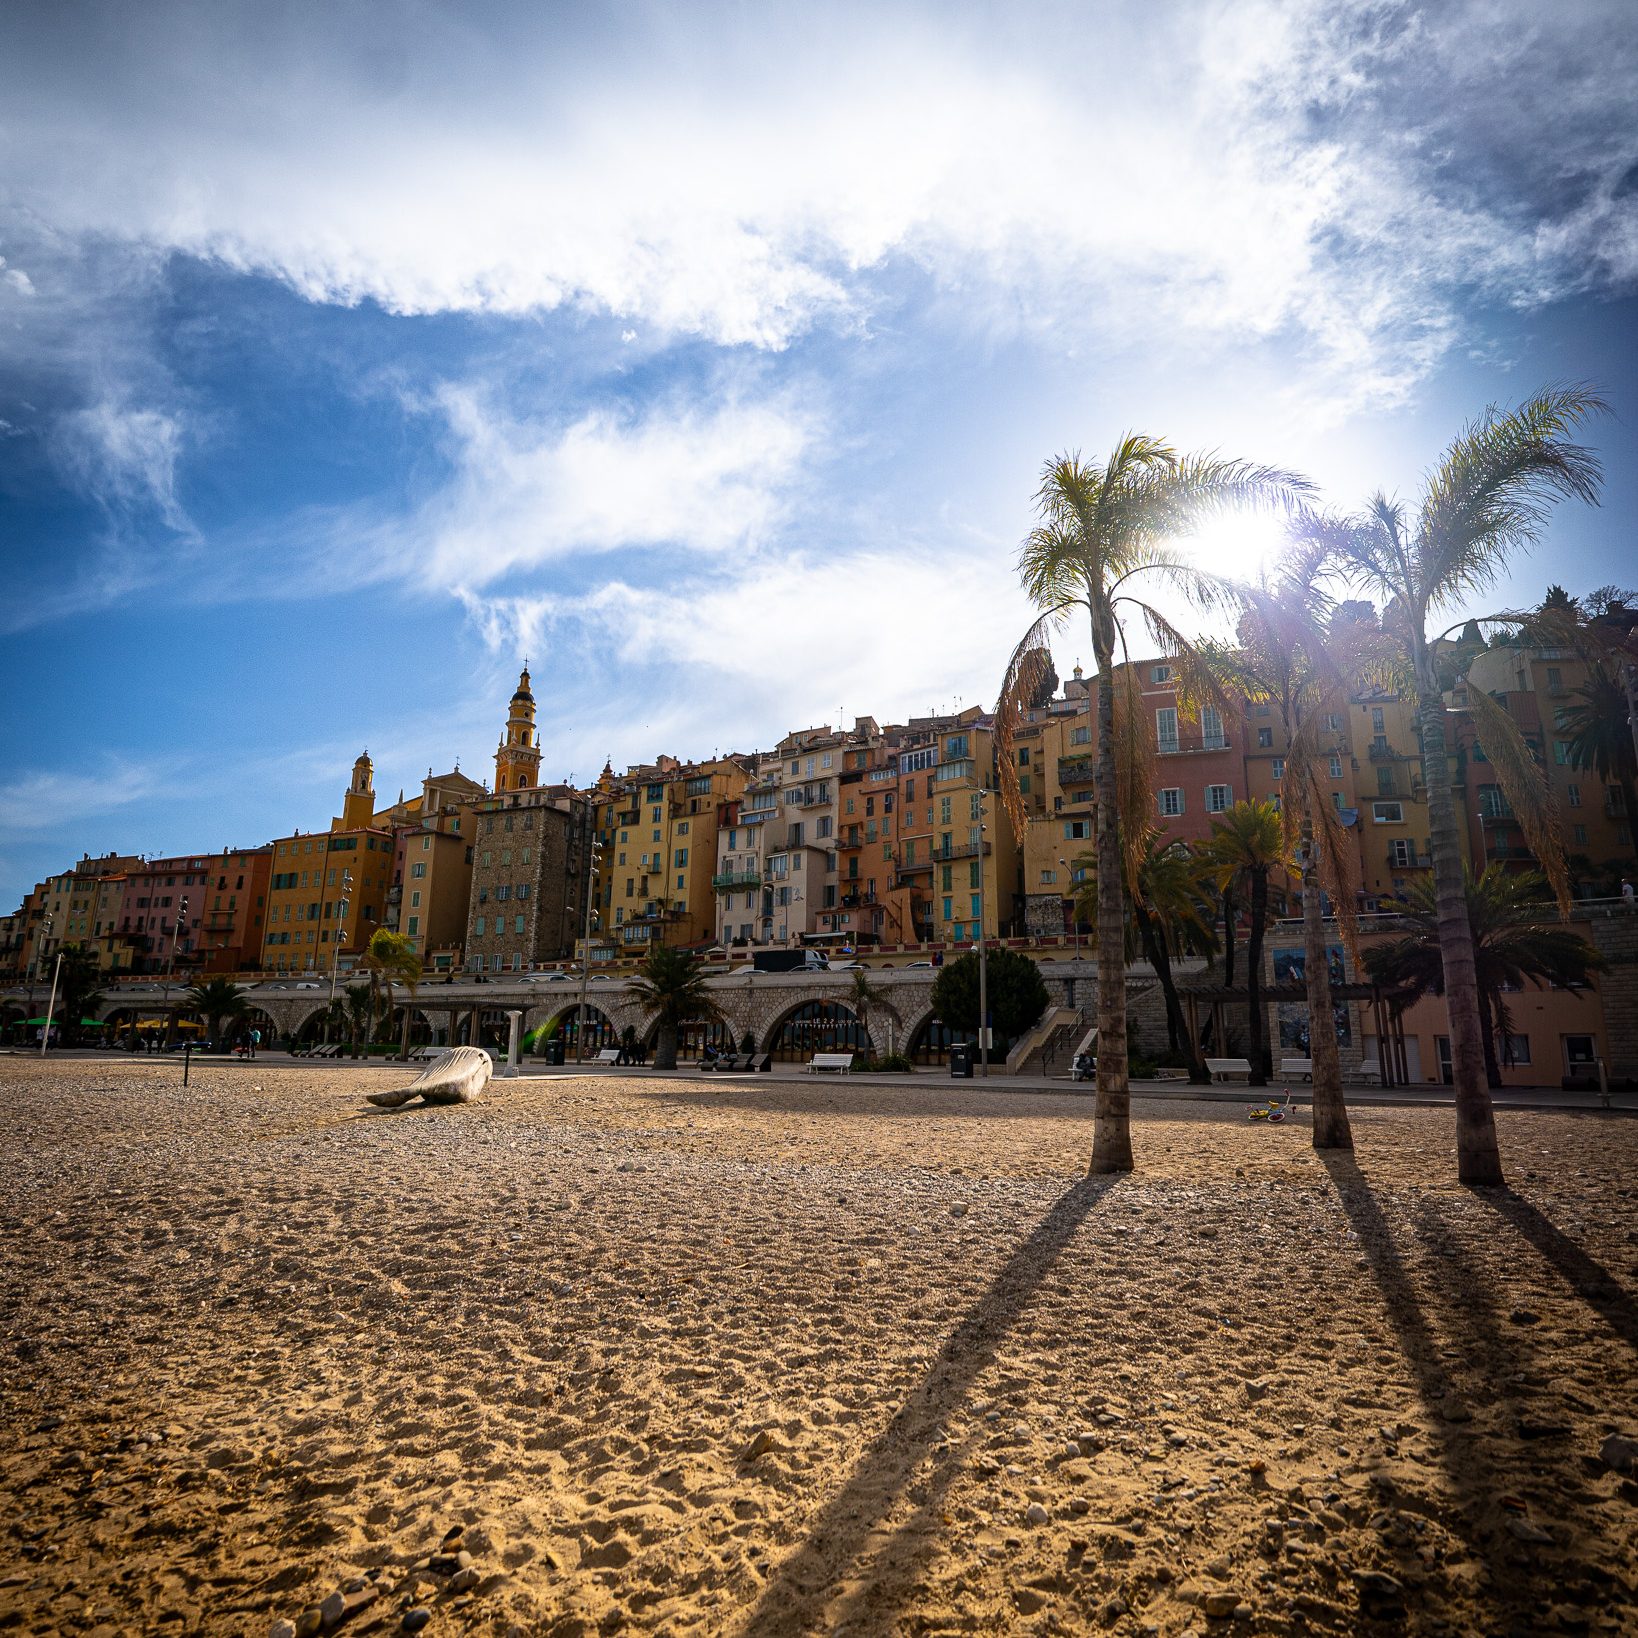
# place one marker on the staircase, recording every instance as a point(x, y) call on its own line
point(1048, 1048)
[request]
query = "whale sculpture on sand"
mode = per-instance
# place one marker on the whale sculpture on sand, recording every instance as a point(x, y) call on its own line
point(458, 1076)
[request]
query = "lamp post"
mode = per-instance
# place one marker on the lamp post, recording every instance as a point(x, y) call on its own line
point(1074, 918)
point(335, 949)
point(170, 964)
point(983, 963)
point(593, 874)
point(1484, 857)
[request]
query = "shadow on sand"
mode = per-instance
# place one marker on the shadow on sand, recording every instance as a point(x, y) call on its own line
point(800, 1589)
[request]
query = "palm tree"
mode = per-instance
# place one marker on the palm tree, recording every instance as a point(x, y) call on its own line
point(1247, 843)
point(391, 958)
point(671, 986)
point(1600, 738)
point(215, 1000)
point(1300, 653)
point(1487, 498)
point(864, 996)
point(1513, 942)
point(359, 1002)
point(1169, 919)
point(1101, 530)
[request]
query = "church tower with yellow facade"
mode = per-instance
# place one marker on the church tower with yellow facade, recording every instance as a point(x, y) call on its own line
point(358, 805)
point(517, 758)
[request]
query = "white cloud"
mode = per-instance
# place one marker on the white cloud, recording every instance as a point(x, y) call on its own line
point(126, 455)
point(707, 479)
point(46, 801)
point(1223, 173)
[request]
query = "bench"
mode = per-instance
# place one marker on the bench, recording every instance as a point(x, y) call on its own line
point(840, 1062)
point(425, 1055)
point(1370, 1070)
point(1221, 1069)
point(1298, 1066)
point(609, 1055)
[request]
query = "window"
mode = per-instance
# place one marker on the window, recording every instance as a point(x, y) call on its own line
point(1080, 736)
point(1166, 728)
point(415, 899)
point(1561, 752)
point(1277, 767)
point(517, 924)
point(1265, 739)
point(1160, 674)
point(1218, 798)
point(1578, 835)
point(1574, 795)
point(1388, 813)
point(418, 870)
point(414, 925)
point(679, 858)
point(1334, 722)
point(477, 928)
point(523, 890)
point(1384, 781)
point(1211, 728)
point(1077, 830)
point(1336, 766)
point(1171, 802)
point(1048, 877)
point(1402, 852)
point(1515, 1049)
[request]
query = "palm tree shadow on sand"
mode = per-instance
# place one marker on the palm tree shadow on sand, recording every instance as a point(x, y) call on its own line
point(796, 1596)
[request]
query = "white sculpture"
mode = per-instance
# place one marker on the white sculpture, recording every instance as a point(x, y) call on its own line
point(458, 1076)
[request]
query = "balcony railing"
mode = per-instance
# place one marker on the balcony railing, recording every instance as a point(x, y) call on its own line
point(959, 850)
point(914, 867)
point(730, 881)
point(1076, 770)
point(1386, 753)
point(1182, 744)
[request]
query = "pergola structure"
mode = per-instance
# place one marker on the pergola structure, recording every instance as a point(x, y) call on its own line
point(1387, 1004)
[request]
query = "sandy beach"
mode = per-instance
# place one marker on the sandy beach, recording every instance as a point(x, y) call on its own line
point(613, 1355)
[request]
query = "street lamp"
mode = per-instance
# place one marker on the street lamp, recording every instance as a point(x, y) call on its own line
point(335, 948)
point(1484, 858)
point(1074, 914)
point(170, 964)
point(983, 962)
point(593, 874)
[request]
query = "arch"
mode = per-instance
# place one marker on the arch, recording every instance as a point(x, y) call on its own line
point(815, 1026)
point(694, 1037)
point(600, 1030)
point(929, 1042)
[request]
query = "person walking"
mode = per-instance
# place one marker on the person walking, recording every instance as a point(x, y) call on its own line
point(255, 1041)
point(1626, 891)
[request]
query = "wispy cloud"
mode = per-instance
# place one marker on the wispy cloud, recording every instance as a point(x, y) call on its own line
point(44, 800)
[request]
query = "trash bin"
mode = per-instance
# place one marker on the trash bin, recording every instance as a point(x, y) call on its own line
point(554, 1052)
point(961, 1061)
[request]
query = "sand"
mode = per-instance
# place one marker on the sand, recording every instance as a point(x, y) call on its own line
point(773, 1358)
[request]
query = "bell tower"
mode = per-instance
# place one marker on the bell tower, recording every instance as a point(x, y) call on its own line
point(517, 757)
point(358, 805)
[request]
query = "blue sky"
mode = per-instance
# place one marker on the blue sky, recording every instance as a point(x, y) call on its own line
point(708, 355)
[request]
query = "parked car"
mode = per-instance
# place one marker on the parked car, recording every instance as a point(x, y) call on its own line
point(918, 964)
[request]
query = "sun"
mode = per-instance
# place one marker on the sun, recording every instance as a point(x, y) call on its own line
point(1235, 546)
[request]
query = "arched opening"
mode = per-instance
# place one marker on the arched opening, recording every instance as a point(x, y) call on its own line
point(930, 1045)
point(694, 1037)
point(816, 1026)
point(600, 1031)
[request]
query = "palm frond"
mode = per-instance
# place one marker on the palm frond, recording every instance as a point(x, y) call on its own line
point(1525, 786)
point(1196, 684)
point(1028, 667)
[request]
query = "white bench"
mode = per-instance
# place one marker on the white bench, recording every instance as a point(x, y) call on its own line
point(1298, 1066)
point(609, 1055)
point(841, 1062)
point(1370, 1070)
point(1221, 1069)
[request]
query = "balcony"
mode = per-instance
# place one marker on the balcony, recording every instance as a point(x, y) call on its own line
point(857, 901)
point(1183, 744)
point(959, 850)
point(815, 798)
point(1381, 751)
point(1506, 852)
point(914, 867)
point(850, 840)
point(1076, 770)
point(731, 881)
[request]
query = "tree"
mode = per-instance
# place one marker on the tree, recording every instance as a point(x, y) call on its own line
point(1016, 992)
point(671, 987)
point(391, 958)
point(215, 1000)
point(1169, 920)
point(1488, 497)
point(1101, 530)
point(359, 1003)
point(864, 997)
point(77, 978)
point(1300, 656)
point(1600, 737)
point(1514, 942)
point(1247, 843)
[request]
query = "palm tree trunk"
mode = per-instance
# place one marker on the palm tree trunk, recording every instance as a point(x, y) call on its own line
point(1331, 1128)
point(1478, 1159)
point(1487, 1022)
point(1257, 1021)
point(1177, 1031)
point(1112, 1122)
point(665, 1049)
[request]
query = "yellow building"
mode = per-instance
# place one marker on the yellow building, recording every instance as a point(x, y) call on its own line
point(657, 825)
point(327, 894)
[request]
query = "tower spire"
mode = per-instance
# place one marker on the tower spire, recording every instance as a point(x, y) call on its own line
point(517, 757)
